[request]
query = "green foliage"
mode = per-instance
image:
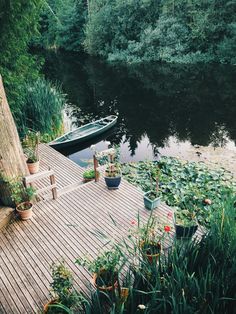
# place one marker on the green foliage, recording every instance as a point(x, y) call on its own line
point(61, 25)
point(18, 23)
point(89, 174)
point(62, 289)
point(41, 108)
point(185, 185)
point(191, 276)
point(185, 217)
point(108, 261)
point(30, 146)
point(19, 193)
point(172, 31)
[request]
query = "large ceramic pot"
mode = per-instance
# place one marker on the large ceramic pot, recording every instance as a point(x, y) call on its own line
point(24, 210)
point(185, 232)
point(33, 167)
point(98, 279)
point(151, 203)
point(113, 182)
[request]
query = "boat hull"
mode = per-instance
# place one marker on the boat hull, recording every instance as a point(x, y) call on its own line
point(83, 139)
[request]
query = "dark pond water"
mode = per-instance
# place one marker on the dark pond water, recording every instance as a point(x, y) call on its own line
point(162, 108)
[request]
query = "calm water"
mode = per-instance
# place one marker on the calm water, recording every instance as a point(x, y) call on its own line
point(162, 108)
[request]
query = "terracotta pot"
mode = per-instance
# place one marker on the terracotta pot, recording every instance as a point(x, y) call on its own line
point(104, 289)
point(25, 214)
point(33, 167)
point(46, 306)
point(152, 258)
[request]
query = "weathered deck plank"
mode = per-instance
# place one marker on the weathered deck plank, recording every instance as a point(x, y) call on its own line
point(62, 229)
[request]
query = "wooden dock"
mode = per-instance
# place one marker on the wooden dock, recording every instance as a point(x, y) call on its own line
point(62, 229)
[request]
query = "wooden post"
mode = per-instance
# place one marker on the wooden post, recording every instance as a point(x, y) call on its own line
point(54, 189)
point(95, 164)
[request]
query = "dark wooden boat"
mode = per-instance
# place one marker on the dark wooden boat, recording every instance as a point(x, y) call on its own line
point(84, 133)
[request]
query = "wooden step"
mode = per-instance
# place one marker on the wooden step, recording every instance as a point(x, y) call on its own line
point(6, 214)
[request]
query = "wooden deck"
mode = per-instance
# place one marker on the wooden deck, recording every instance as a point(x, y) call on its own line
point(62, 229)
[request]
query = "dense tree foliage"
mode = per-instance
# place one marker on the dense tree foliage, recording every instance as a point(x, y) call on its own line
point(166, 30)
point(182, 31)
point(18, 22)
point(62, 23)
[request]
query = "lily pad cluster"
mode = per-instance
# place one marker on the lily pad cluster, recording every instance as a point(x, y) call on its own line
point(184, 185)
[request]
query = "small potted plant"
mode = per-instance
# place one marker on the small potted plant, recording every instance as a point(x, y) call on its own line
point(31, 147)
point(22, 197)
point(63, 294)
point(150, 236)
point(104, 268)
point(89, 175)
point(185, 223)
point(152, 198)
point(112, 174)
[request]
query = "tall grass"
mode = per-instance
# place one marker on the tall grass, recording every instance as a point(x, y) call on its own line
point(194, 276)
point(42, 106)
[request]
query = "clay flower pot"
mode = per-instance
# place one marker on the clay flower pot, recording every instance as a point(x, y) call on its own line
point(33, 167)
point(46, 306)
point(24, 210)
point(103, 288)
point(149, 256)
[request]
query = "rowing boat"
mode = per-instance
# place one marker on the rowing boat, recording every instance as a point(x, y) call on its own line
point(84, 133)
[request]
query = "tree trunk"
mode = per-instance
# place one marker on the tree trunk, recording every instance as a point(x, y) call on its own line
point(12, 160)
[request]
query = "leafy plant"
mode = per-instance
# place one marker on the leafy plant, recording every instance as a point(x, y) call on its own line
point(185, 218)
point(31, 146)
point(62, 289)
point(89, 174)
point(20, 193)
point(107, 260)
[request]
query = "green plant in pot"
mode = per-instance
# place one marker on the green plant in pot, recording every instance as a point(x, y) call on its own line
point(104, 267)
point(185, 222)
point(150, 237)
point(152, 198)
point(31, 149)
point(22, 197)
point(89, 175)
point(112, 173)
point(63, 295)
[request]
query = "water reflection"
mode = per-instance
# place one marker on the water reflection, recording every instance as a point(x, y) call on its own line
point(156, 102)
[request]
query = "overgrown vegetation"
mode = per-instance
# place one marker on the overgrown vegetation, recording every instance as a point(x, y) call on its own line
point(184, 185)
point(41, 108)
point(194, 276)
point(18, 23)
point(143, 30)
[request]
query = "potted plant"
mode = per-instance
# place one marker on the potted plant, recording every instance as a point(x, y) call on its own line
point(22, 197)
point(31, 147)
point(112, 174)
point(89, 175)
point(63, 294)
point(150, 236)
point(185, 223)
point(152, 198)
point(104, 268)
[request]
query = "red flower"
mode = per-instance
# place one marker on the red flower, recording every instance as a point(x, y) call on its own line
point(133, 222)
point(167, 228)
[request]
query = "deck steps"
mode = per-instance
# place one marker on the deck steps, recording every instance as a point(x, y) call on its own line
point(6, 215)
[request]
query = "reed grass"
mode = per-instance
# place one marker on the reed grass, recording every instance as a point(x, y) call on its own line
point(42, 108)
